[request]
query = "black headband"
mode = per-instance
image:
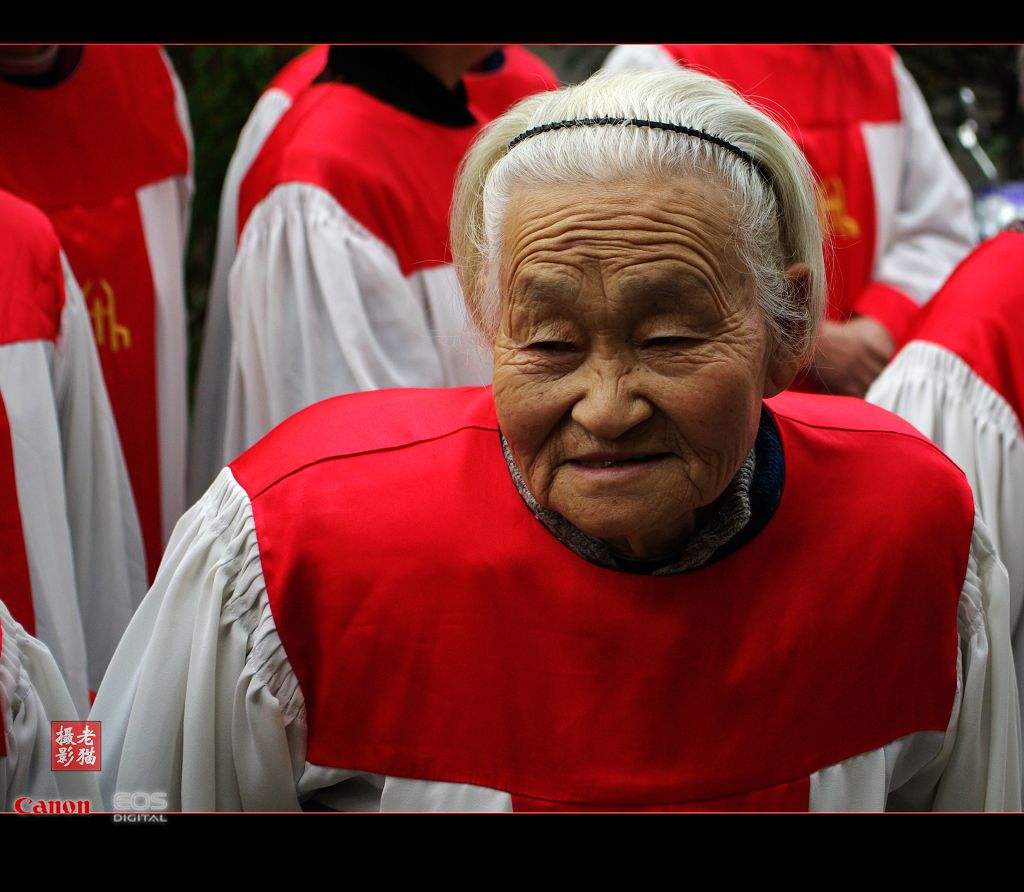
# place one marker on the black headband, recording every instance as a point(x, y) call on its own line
point(658, 125)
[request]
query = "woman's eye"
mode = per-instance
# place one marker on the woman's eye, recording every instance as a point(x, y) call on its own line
point(553, 346)
point(668, 342)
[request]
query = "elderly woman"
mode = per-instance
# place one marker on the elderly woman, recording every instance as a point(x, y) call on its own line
point(592, 587)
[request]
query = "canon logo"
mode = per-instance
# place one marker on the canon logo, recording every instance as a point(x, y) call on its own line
point(26, 806)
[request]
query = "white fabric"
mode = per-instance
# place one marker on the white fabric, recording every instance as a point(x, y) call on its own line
point(27, 390)
point(201, 701)
point(319, 306)
point(166, 209)
point(922, 201)
point(938, 393)
point(638, 57)
point(162, 226)
point(923, 218)
point(211, 392)
point(82, 535)
point(32, 694)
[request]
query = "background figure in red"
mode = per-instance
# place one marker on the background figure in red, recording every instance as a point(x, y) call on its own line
point(960, 381)
point(98, 138)
point(71, 559)
point(211, 387)
point(897, 209)
point(343, 279)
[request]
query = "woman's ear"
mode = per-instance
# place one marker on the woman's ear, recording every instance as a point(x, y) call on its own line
point(784, 364)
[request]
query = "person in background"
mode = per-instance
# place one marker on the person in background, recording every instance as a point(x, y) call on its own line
point(98, 138)
point(211, 385)
point(960, 381)
point(503, 78)
point(342, 280)
point(70, 544)
point(898, 210)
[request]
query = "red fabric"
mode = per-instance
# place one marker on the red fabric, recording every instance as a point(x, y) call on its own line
point(438, 631)
point(301, 71)
point(17, 586)
point(31, 277)
point(108, 254)
point(80, 150)
point(793, 796)
point(358, 149)
point(492, 93)
point(821, 95)
point(109, 129)
point(31, 303)
point(979, 315)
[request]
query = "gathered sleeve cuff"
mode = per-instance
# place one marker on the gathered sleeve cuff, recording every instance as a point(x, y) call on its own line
point(200, 702)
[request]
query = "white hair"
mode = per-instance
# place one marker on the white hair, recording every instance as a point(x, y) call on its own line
point(777, 213)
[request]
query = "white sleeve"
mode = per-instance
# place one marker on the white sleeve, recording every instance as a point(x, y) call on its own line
point(933, 228)
point(981, 757)
point(199, 701)
point(32, 694)
point(319, 306)
point(209, 404)
point(27, 390)
point(106, 539)
point(638, 57)
point(938, 393)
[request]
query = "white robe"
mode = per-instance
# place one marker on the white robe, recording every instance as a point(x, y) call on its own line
point(201, 701)
point(226, 376)
point(32, 694)
point(82, 537)
point(163, 207)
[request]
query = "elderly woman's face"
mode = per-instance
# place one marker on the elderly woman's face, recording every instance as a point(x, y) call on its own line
point(631, 359)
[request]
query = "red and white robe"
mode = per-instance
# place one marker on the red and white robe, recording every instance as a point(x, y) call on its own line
point(960, 381)
point(363, 611)
point(899, 211)
point(342, 280)
point(106, 154)
point(73, 568)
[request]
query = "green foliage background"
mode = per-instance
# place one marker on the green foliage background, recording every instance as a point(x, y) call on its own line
point(223, 83)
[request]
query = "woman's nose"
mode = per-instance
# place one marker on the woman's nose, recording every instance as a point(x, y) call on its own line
point(610, 404)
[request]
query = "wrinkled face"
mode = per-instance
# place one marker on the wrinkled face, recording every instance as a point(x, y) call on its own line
point(631, 359)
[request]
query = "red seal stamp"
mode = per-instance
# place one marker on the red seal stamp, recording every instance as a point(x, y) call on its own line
point(75, 746)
